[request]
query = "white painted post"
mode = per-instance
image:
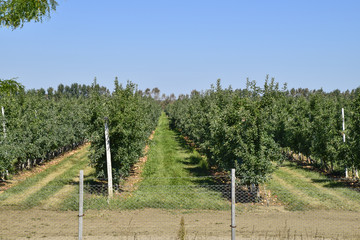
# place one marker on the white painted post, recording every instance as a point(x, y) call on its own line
point(343, 124)
point(4, 126)
point(81, 203)
point(4, 129)
point(233, 225)
point(344, 138)
point(108, 159)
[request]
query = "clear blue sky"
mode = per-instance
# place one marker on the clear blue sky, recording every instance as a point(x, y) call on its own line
point(181, 45)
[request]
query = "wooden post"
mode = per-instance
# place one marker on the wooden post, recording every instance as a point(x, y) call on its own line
point(233, 225)
point(81, 203)
point(344, 139)
point(108, 159)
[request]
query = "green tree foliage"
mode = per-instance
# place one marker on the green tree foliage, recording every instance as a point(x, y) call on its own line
point(230, 128)
point(250, 128)
point(132, 118)
point(39, 127)
point(14, 13)
point(8, 87)
point(325, 129)
point(310, 124)
point(354, 132)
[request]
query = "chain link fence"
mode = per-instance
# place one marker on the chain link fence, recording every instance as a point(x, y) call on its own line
point(191, 208)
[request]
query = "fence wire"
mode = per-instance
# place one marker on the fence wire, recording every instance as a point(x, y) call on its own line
point(187, 208)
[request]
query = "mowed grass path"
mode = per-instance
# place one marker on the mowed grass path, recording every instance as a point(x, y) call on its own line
point(173, 177)
point(170, 161)
point(49, 187)
point(303, 189)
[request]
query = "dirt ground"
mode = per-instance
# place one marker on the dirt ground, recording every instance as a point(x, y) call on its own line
point(162, 224)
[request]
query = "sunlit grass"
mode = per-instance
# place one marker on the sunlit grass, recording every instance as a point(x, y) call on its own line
point(303, 189)
point(60, 180)
point(170, 180)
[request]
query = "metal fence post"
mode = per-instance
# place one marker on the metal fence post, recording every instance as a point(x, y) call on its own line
point(81, 202)
point(233, 225)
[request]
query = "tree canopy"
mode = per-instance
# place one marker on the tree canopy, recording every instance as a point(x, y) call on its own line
point(10, 86)
point(14, 13)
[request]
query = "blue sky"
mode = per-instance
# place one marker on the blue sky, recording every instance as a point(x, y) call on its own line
point(179, 46)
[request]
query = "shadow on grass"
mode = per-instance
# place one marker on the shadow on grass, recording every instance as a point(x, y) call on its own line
point(198, 167)
point(202, 190)
point(331, 183)
point(330, 180)
point(95, 186)
point(185, 143)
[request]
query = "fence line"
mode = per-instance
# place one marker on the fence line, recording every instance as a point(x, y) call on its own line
point(81, 203)
point(205, 207)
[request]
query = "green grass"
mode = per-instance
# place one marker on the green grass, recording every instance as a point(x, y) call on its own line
point(59, 182)
point(76, 162)
point(293, 202)
point(303, 189)
point(171, 178)
point(325, 182)
point(169, 162)
point(175, 176)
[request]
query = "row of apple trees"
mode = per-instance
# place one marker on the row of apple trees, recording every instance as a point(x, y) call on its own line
point(310, 123)
point(250, 129)
point(132, 117)
point(38, 125)
point(229, 127)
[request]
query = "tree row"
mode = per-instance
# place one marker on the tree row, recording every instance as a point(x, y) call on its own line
point(251, 129)
point(37, 126)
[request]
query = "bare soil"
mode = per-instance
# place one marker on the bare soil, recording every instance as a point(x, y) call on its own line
point(261, 223)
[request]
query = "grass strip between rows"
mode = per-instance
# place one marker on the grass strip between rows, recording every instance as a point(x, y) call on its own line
point(293, 201)
point(33, 180)
point(301, 189)
point(327, 183)
point(171, 176)
point(170, 180)
point(58, 183)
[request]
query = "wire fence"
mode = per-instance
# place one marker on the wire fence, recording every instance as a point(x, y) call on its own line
point(186, 208)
